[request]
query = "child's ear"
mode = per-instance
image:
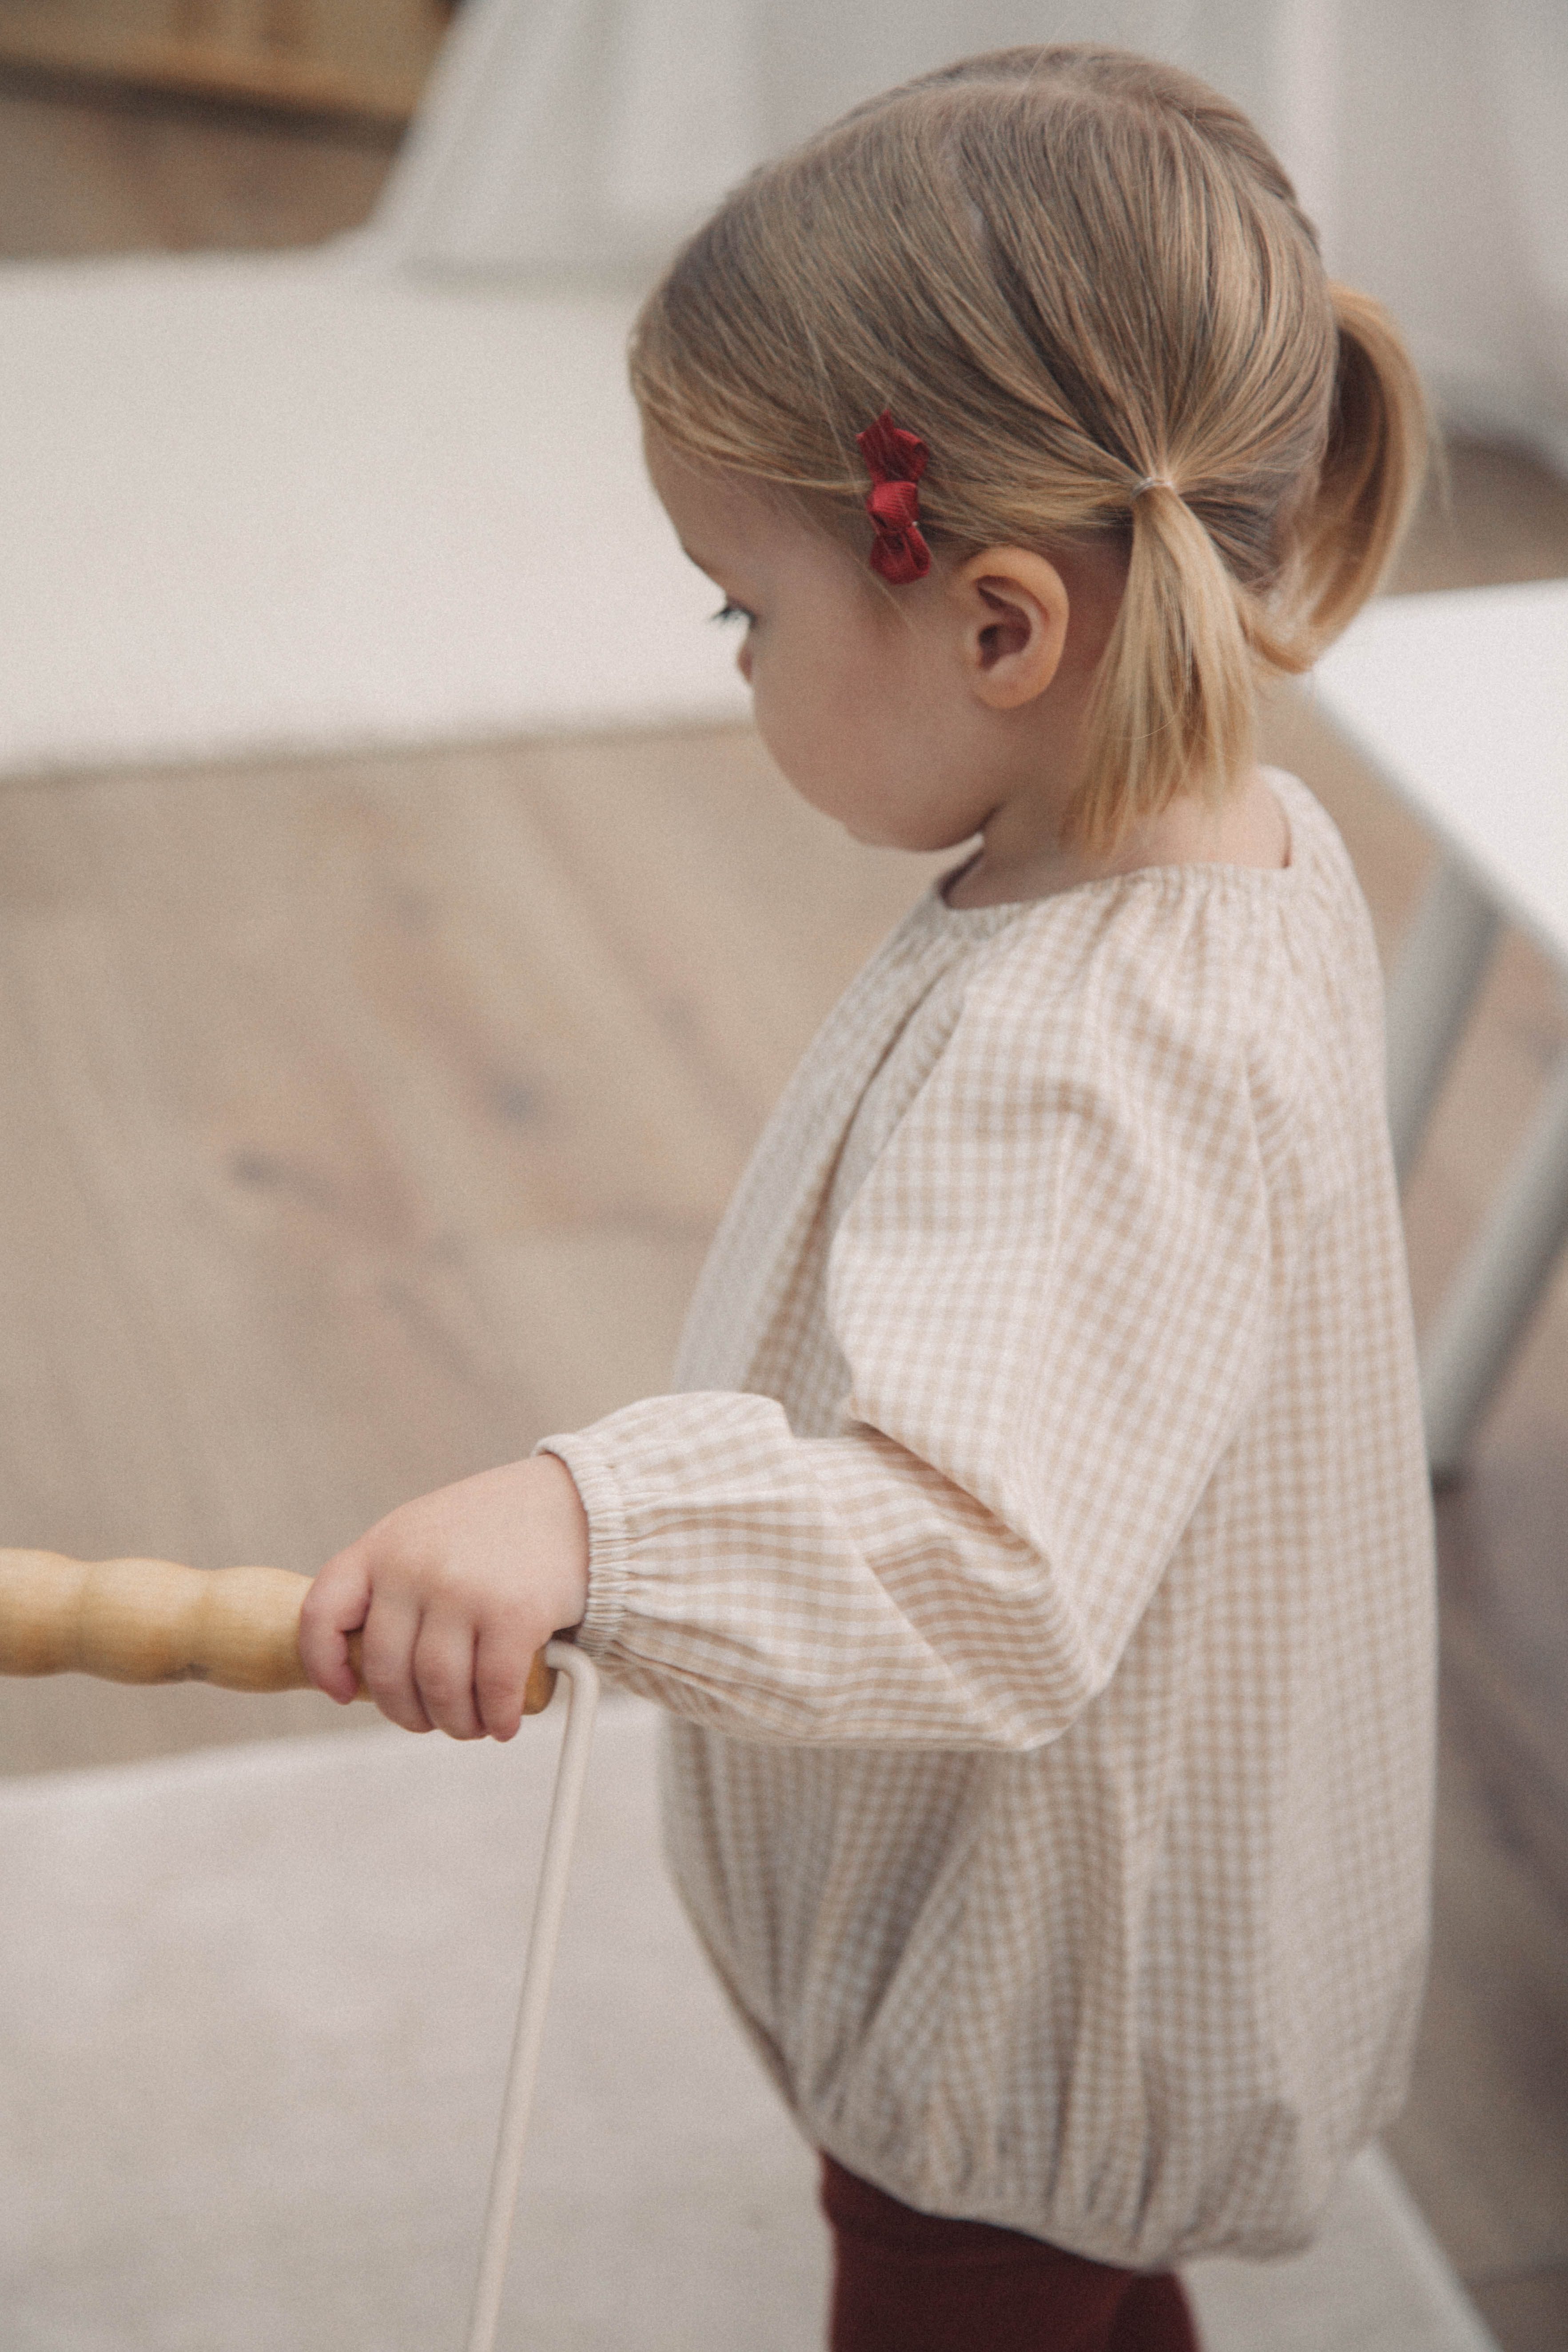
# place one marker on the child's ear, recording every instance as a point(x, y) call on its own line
point(1012, 611)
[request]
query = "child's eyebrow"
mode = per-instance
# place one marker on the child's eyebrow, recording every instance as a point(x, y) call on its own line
point(700, 560)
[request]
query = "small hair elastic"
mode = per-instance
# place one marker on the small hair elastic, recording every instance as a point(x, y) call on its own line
point(895, 460)
point(1151, 482)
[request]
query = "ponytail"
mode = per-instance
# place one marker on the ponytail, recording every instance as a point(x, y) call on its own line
point(1373, 468)
point(1172, 706)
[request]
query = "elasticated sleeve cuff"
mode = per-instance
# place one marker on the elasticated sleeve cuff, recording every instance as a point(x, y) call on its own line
point(609, 1541)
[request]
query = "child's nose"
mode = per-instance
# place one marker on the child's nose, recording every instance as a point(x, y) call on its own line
point(743, 662)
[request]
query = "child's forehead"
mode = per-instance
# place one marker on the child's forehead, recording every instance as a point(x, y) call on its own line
point(728, 501)
point(719, 518)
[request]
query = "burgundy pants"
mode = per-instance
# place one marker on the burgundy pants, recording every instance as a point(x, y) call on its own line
point(909, 2281)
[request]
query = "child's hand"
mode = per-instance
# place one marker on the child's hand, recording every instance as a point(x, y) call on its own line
point(455, 1591)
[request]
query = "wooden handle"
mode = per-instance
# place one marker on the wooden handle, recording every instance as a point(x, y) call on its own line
point(148, 1621)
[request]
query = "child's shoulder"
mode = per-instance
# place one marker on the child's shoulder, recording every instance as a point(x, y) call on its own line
point(1189, 981)
point(1156, 917)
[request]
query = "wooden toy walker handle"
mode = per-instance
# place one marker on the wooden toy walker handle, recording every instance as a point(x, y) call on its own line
point(148, 1621)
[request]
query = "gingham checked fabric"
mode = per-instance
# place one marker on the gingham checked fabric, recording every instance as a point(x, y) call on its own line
point(1037, 1567)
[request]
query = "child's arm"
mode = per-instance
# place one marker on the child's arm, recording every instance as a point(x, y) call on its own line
point(455, 1591)
point(1046, 1316)
point(1050, 1297)
point(1051, 1300)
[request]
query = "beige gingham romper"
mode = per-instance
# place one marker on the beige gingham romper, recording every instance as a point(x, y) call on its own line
point(1037, 1567)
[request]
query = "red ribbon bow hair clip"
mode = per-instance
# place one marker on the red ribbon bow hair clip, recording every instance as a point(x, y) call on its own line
point(896, 461)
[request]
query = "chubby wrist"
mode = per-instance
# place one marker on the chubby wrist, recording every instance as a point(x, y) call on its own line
point(591, 1467)
point(561, 1524)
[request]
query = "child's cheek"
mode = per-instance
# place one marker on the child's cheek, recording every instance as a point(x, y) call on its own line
point(798, 750)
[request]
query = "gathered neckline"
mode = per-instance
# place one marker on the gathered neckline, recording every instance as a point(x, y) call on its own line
point(1288, 790)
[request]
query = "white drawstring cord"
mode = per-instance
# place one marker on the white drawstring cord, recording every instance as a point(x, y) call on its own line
point(582, 1686)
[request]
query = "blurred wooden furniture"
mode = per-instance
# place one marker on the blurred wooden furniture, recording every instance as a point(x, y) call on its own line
point(1460, 700)
point(347, 57)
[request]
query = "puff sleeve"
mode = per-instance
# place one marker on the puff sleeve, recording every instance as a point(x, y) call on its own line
point(1050, 1301)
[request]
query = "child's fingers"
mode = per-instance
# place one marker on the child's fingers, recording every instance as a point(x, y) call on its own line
point(501, 1661)
point(335, 1608)
point(386, 1660)
point(444, 1674)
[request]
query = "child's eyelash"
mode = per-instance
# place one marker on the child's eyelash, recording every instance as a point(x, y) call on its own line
point(730, 611)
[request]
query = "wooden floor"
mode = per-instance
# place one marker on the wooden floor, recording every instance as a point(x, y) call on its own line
point(366, 1118)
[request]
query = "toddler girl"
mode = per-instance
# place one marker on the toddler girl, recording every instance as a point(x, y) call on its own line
point(1035, 1558)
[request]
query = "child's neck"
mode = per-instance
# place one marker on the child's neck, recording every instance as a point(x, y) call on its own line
point(1248, 828)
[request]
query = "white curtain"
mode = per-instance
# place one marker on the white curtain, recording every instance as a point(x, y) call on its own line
point(569, 136)
point(573, 139)
point(1451, 198)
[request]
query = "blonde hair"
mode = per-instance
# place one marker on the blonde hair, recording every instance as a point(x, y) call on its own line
point(1085, 281)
